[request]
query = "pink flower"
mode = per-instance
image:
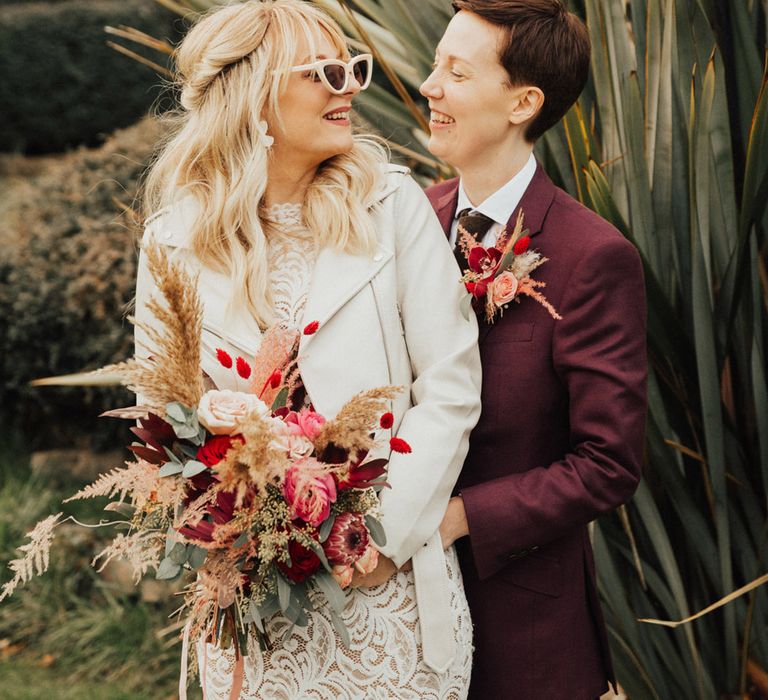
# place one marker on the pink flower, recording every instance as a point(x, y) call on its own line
point(309, 490)
point(369, 561)
point(310, 423)
point(288, 438)
point(504, 288)
point(348, 540)
point(343, 575)
point(220, 411)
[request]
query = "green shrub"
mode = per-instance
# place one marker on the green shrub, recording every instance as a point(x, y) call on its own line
point(60, 84)
point(67, 275)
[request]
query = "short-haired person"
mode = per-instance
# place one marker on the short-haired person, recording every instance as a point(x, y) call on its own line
point(560, 438)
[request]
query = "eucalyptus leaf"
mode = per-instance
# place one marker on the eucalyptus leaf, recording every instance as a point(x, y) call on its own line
point(377, 531)
point(196, 556)
point(283, 592)
point(176, 412)
point(241, 541)
point(170, 469)
point(178, 553)
point(333, 593)
point(340, 627)
point(168, 569)
point(326, 527)
point(121, 507)
point(193, 468)
point(281, 399)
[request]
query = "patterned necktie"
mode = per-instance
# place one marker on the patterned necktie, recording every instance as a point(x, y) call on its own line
point(475, 224)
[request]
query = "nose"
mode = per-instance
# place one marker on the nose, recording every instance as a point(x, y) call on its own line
point(353, 86)
point(431, 87)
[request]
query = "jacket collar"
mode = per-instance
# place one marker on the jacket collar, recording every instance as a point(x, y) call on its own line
point(535, 203)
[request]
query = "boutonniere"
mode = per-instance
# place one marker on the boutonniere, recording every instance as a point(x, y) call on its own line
point(501, 274)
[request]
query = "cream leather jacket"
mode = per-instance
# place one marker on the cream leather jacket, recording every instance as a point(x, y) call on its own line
point(391, 318)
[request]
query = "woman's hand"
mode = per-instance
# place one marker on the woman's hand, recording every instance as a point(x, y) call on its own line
point(454, 523)
point(385, 569)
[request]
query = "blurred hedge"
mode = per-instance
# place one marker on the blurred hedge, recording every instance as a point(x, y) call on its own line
point(67, 274)
point(60, 84)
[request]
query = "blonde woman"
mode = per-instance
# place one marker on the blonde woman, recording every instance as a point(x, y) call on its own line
point(289, 217)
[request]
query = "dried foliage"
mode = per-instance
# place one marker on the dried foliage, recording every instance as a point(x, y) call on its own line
point(141, 549)
point(36, 555)
point(172, 373)
point(349, 429)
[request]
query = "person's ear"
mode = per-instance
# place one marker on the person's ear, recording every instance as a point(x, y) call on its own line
point(526, 103)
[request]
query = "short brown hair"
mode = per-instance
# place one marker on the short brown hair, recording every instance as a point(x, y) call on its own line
point(545, 46)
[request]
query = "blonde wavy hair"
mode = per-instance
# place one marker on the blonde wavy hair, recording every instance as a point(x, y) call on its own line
point(232, 67)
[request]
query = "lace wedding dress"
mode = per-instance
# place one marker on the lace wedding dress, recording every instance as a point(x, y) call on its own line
point(384, 660)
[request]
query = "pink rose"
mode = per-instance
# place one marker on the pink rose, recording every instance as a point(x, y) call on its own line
point(220, 411)
point(310, 423)
point(343, 574)
point(309, 490)
point(504, 288)
point(369, 561)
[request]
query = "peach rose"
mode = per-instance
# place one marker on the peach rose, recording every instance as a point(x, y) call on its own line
point(369, 561)
point(220, 411)
point(504, 288)
point(288, 438)
point(343, 574)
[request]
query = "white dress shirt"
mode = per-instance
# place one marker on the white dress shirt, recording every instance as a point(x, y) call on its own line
point(499, 206)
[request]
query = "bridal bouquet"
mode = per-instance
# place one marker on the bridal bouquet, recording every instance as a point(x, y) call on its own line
point(266, 509)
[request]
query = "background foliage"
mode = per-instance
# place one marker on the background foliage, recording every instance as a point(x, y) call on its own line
point(62, 86)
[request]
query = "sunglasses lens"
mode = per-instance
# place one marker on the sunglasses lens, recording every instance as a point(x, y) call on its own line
point(336, 76)
point(360, 70)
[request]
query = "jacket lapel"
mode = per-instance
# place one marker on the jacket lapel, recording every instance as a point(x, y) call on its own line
point(535, 204)
point(337, 277)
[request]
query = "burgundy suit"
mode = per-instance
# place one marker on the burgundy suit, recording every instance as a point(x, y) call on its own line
point(559, 442)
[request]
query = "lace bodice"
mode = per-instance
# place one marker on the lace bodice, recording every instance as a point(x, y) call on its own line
point(291, 253)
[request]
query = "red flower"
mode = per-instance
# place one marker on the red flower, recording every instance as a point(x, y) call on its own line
point(275, 378)
point(399, 445)
point(484, 260)
point(243, 368)
point(215, 449)
point(386, 420)
point(311, 328)
point(304, 562)
point(221, 511)
point(348, 540)
point(224, 358)
point(522, 245)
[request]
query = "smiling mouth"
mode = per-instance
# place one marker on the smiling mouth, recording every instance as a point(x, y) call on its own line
point(440, 118)
point(338, 116)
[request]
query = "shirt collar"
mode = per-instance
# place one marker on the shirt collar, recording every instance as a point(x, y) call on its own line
point(500, 205)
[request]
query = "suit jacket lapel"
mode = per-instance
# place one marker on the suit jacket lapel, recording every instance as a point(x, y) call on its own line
point(337, 277)
point(445, 207)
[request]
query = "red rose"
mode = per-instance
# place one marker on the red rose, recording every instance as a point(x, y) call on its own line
point(522, 245)
point(387, 420)
point(304, 562)
point(215, 449)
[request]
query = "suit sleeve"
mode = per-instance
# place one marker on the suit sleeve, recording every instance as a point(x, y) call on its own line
point(445, 393)
point(599, 354)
